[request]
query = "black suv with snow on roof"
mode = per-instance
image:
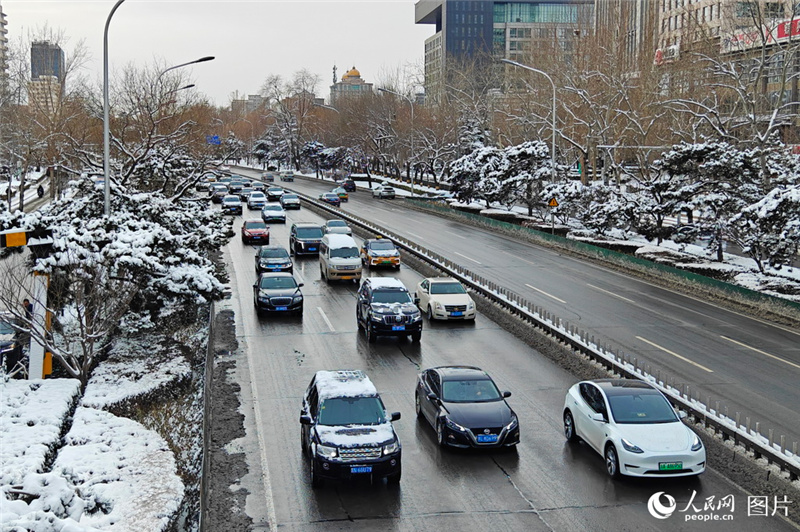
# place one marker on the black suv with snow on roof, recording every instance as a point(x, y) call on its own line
point(344, 430)
point(384, 307)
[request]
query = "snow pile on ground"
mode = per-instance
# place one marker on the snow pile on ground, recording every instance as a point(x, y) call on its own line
point(125, 473)
point(32, 416)
point(135, 370)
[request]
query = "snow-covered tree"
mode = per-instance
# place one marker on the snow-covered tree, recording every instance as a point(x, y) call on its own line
point(151, 256)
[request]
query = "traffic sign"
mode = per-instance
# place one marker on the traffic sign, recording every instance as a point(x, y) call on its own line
point(212, 139)
point(552, 203)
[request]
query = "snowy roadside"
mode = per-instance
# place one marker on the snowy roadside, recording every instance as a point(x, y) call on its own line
point(107, 472)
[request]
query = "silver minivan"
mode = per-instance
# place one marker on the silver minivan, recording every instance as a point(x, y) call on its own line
point(339, 258)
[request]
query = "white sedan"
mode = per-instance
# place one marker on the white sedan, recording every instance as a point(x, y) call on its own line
point(444, 298)
point(634, 427)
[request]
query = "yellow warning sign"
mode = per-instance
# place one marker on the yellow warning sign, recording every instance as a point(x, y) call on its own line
point(552, 203)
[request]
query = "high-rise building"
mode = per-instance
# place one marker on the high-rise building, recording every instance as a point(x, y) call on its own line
point(352, 84)
point(467, 29)
point(631, 28)
point(47, 59)
point(3, 44)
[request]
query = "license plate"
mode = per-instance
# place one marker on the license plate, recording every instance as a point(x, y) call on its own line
point(361, 469)
point(386, 262)
point(486, 438)
point(398, 327)
point(281, 308)
point(669, 466)
point(347, 276)
point(276, 269)
point(312, 249)
point(457, 313)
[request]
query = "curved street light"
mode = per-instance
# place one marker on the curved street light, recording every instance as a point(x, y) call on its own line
point(411, 103)
point(106, 134)
point(553, 144)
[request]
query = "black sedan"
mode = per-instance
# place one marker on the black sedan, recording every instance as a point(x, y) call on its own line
point(277, 293)
point(466, 409)
point(331, 198)
point(273, 259)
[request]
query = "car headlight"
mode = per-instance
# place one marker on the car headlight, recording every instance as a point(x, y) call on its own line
point(514, 424)
point(415, 317)
point(471, 305)
point(263, 298)
point(297, 299)
point(453, 425)
point(391, 448)
point(264, 264)
point(326, 451)
point(376, 317)
point(630, 447)
point(697, 444)
point(438, 306)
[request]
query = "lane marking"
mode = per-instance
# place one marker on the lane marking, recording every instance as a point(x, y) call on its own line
point(611, 293)
point(416, 236)
point(325, 318)
point(468, 258)
point(692, 362)
point(545, 293)
point(456, 235)
point(760, 351)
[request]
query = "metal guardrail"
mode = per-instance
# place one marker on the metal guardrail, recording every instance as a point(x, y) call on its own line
point(614, 360)
point(208, 377)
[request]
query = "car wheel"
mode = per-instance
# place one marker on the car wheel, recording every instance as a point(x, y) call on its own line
point(397, 267)
point(394, 478)
point(316, 480)
point(267, 242)
point(569, 427)
point(416, 336)
point(612, 461)
point(440, 438)
point(418, 405)
point(430, 313)
point(369, 333)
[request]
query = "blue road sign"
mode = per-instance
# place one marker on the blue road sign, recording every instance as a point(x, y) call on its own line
point(212, 139)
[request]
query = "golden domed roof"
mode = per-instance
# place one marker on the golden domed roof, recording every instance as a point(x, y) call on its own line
point(352, 73)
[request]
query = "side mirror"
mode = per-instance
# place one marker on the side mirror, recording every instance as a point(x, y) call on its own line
point(416, 299)
point(395, 416)
point(305, 419)
point(432, 397)
point(255, 285)
point(597, 416)
point(506, 394)
point(300, 284)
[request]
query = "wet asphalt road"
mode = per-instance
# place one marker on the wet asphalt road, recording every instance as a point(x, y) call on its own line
point(544, 485)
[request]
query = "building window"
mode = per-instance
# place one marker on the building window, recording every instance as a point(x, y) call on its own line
point(773, 10)
point(744, 9)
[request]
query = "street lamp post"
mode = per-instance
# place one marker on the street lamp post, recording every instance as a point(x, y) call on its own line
point(106, 134)
point(553, 143)
point(411, 103)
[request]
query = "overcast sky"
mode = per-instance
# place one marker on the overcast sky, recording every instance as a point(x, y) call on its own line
point(250, 39)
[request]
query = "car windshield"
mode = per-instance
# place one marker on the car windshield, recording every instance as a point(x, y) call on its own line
point(6, 328)
point(340, 411)
point(447, 288)
point(470, 391)
point(641, 408)
point(331, 195)
point(255, 225)
point(270, 283)
point(257, 195)
point(309, 232)
point(272, 207)
point(391, 296)
point(231, 200)
point(345, 253)
point(338, 190)
point(275, 190)
point(273, 253)
point(289, 196)
point(336, 223)
point(382, 245)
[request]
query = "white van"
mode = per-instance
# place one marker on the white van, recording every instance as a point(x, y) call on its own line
point(287, 175)
point(339, 258)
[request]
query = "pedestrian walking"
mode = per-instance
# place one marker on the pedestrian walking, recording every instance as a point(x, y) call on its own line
point(28, 308)
point(40, 191)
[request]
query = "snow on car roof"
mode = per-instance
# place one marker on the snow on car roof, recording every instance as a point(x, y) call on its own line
point(344, 383)
point(386, 282)
point(339, 241)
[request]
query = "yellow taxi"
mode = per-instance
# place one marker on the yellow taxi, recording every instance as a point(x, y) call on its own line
point(379, 252)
